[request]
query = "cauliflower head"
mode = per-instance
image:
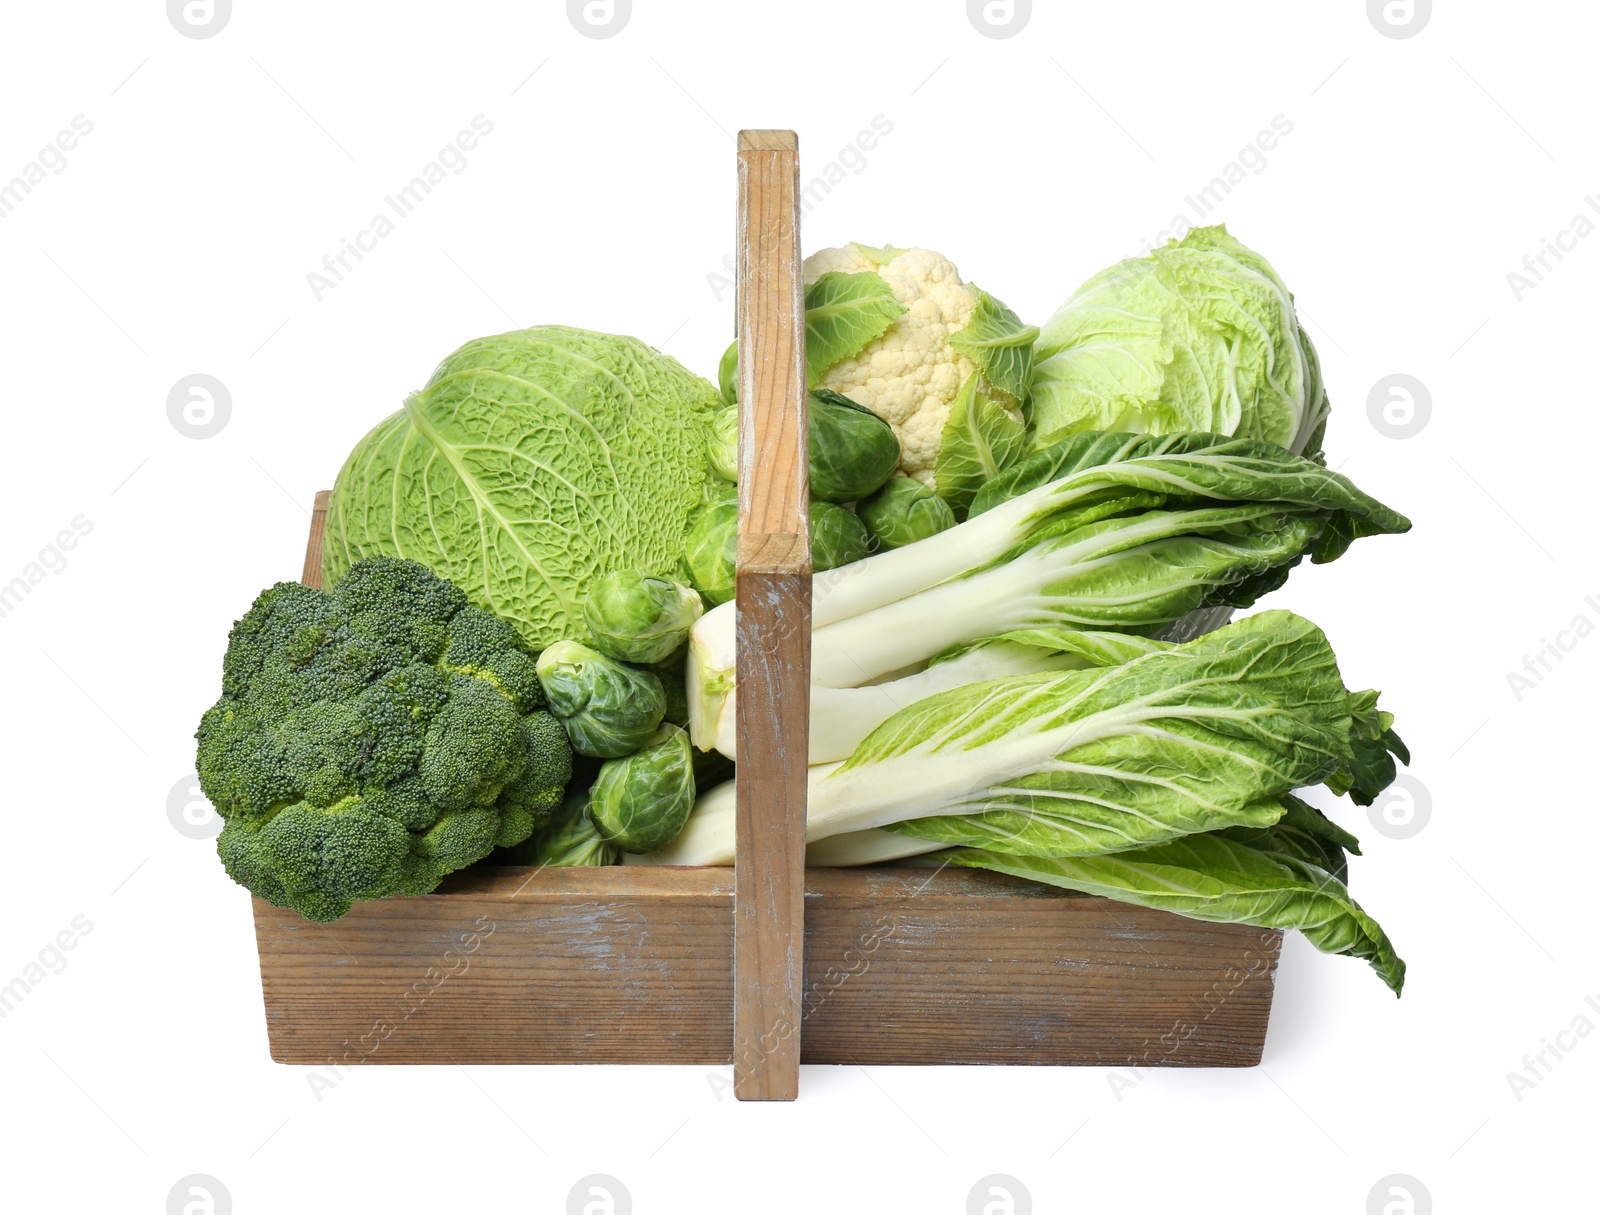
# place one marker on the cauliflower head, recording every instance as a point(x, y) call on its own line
point(910, 375)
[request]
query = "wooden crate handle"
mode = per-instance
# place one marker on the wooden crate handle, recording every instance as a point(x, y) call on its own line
point(773, 628)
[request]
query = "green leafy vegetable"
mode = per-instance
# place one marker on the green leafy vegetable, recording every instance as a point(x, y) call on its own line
point(722, 443)
point(1304, 832)
point(1136, 532)
point(1376, 746)
point(837, 537)
point(999, 343)
point(641, 802)
point(728, 375)
point(844, 314)
point(853, 451)
point(903, 512)
point(1176, 740)
point(1200, 335)
point(608, 709)
point(1170, 743)
point(982, 438)
point(636, 618)
point(1210, 877)
point(711, 551)
point(371, 739)
point(842, 717)
point(909, 373)
point(531, 464)
point(569, 838)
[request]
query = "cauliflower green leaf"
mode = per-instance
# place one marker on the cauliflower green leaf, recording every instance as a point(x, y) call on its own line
point(998, 342)
point(844, 314)
point(982, 439)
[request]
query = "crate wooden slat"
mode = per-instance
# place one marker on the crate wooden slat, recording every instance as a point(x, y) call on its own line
point(773, 627)
point(632, 965)
point(657, 965)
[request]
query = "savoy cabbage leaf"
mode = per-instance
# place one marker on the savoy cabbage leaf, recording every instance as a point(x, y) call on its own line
point(532, 464)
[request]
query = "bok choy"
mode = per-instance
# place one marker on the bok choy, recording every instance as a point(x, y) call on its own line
point(1104, 531)
point(1178, 740)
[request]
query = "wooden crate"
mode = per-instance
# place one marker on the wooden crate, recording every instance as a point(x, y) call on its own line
point(766, 964)
point(634, 965)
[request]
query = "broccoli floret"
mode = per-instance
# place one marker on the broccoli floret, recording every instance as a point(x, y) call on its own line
point(373, 738)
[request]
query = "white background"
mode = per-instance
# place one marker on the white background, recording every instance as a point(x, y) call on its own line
point(177, 240)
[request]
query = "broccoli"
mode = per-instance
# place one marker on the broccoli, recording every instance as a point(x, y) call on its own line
point(373, 738)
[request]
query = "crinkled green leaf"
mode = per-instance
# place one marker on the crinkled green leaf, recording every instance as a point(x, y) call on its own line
point(1200, 335)
point(1193, 466)
point(641, 801)
point(569, 838)
point(1134, 573)
point(1304, 832)
point(982, 438)
point(1182, 739)
point(844, 314)
point(903, 512)
point(853, 451)
point(530, 465)
point(1374, 746)
point(1209, 877)
point(999, 343)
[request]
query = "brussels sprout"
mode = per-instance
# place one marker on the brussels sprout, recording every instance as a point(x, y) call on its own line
point(722, 443)
point(608, 709)
point(728, 373)
point(903, 512)
point(716, 492)
point(636, 618)
point(711, 549)
point(641, 803)
point(569, 838)
point(837, 537)
point(853, 450)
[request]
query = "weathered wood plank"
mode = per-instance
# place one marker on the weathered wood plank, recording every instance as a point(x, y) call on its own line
point(630, 965)
point(311, 572)
point(773, 624)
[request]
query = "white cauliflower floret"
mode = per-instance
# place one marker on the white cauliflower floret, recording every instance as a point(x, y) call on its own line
point(910, 375)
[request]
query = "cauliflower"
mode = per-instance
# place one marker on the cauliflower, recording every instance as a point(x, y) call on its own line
point(911, 374)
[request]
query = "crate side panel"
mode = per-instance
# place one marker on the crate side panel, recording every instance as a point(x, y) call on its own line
point(935, 979)
point(484, 979)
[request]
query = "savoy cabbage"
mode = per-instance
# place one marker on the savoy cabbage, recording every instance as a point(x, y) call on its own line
point(532, 464)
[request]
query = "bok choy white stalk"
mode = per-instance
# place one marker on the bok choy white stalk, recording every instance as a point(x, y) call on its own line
point(1178, 740)
point(842, 717)
point(1119, 532)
